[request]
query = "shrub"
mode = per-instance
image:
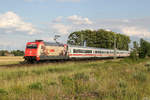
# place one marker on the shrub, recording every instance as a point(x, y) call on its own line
point(133, 55)
point(122, 84)
point(2, 91)
point(38, 72)
point(68, 84)
point(140, 76)
point(17, 89)
point(52, 70)
point(36, 85)
point(81, 76)
point(49, 82)
point(67, 81)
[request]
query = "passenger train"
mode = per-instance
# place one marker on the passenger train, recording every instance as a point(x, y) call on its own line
point(40, 51)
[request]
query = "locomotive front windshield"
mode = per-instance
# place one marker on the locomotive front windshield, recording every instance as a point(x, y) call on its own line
point(32, 46)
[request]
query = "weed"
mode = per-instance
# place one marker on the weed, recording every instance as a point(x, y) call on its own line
point(140, 76)
point(15, 74)
point(67, 81)
point(38, 72)
point(49, 82)
point(2, 91)
point(81, 76)
point(122, 83)
point(148, 69)
point(96, 80)
point(147, 64)
point(36, 85)
point(52, 70)
point(68, 84)
point(17, 89)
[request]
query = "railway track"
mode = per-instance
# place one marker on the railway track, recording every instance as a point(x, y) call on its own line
point(23, 64)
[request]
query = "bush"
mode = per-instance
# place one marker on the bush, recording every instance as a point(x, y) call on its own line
point(17, 53)
point(66, 81)
point(122, 84)
point(140, 76)
point(2, 91)
point(81, 76)
point(36, 85)
point(133, 55)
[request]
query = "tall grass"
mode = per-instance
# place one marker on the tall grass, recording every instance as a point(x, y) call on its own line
point(90, 80)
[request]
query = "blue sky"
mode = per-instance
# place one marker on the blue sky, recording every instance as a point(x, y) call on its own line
point(27, 20)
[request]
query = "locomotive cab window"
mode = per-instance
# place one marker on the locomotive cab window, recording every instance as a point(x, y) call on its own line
point(32, 46)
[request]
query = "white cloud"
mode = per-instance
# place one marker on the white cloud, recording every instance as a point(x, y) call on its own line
point(65, 25)
point(78, 20)
point(61, 28)
point(131, 27)
point(11, 22)
point(58, 19)
point(47, 39)
point(135, 31)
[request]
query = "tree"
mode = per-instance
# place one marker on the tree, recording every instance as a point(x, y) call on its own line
point(135, 51)
point(144, 49)
point(135, 45)
point(100, 39)
point(3, 52)
point(17, 52)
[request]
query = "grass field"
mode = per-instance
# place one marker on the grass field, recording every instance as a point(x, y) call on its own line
point(5, 60)
point(89, 80)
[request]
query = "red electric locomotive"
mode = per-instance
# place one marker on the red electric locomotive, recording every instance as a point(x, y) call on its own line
point(40, 50)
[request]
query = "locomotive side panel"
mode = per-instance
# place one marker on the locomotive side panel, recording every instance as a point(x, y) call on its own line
point(52, 52)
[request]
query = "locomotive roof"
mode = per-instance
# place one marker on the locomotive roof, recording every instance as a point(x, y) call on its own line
point(53, 44)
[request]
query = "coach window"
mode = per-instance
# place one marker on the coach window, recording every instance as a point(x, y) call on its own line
point(81, 51)
point(75, 50)
point(88, 51)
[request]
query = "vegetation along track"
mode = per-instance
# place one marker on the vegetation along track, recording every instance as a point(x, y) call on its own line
point(22, 63)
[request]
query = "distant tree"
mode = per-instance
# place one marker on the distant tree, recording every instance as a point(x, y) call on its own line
point(135, 45)
point(144, 49)
point(3, 52)
point(17, 52)
point(135, 51)
point(100, 39)
point(133, 55)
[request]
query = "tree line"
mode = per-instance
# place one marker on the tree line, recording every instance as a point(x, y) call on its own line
point(99, 39)
point(11, 53)
point(141, 49)
point(106, 39)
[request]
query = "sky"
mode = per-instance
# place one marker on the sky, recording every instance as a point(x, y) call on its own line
point(22, 21)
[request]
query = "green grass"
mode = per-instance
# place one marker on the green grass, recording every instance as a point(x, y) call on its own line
point(90, 80)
